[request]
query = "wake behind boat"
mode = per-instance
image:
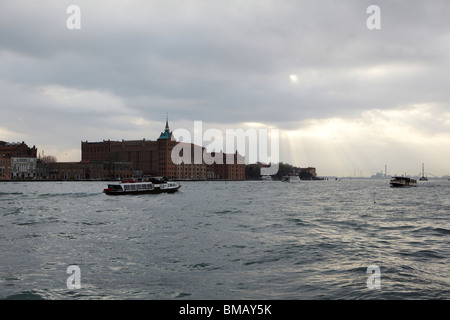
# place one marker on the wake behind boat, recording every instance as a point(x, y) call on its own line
point(152, 186)
point(403, 182)
point(290, 178)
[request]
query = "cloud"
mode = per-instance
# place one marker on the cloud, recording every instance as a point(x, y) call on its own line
point(400, 138)
point(223, 62)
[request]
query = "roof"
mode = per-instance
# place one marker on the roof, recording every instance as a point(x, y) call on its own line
point(164, 135)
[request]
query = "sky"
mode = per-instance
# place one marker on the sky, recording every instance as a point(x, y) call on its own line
point(347, 99)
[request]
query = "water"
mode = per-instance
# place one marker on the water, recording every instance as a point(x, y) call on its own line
point(226, 240)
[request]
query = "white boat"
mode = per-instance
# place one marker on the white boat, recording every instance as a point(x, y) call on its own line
point(152, 186)
point(403, 182)
point(290, 178)
point(266, 178)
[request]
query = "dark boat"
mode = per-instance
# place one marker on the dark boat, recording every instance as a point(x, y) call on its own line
point(152, 186)
point(403, 182)
point(423, 178)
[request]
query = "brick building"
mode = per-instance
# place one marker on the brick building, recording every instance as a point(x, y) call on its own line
point(5, 168)
point(84, 170)
point(227, 166)
point(155, 158)
point(190, 169)
point(308, 173)
point(16, 149)
point(150, 157)
point(17, 160)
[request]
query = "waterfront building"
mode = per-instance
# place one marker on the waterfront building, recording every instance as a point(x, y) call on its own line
point(191, 170)
point(308, 173)
point(16, 149)
point(228, 166)
point(84, 170)
point(5, 168)
point(154, 158)
point(23, 168)
point(17, 160)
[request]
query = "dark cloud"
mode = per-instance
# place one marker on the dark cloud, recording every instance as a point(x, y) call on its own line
point(218, 61)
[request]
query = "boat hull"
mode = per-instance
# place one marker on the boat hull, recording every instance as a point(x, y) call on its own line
point(141, 187)
point(136, 192)
point(400, 182)
point(290, 178)
point(399, 185)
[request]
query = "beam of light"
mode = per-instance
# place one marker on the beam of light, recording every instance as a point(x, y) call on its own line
point(400, 138)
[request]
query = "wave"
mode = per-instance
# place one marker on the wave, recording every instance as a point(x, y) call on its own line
point(442, 231)
point(423, 254)
point(431, 230)
point(73, 195)
point(10, 193)
point(13, 211)
point(228, 211)
point(25, 295)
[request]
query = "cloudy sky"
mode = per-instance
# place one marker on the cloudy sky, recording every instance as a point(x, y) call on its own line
point(347, 100)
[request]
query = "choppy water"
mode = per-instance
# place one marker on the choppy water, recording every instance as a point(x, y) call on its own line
point(226, 240)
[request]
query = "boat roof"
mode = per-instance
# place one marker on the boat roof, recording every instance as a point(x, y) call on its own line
point(136, 182)
point(404, 178)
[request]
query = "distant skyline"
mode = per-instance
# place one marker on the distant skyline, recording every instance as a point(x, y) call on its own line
point(347, 100)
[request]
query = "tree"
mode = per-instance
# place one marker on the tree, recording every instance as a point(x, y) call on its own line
point(283, 169)
point(252, 171)
point(48, 159)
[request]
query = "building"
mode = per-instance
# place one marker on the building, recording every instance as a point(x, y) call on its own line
point(17, 149)
point(150, 157)
point(154, 158)
point(191, 169)
point(23, 168)
point(165, 144)
point(308, 173)
point(5, 168)
point(227, 166)
point(17, 160)
point(142, 154)
point(84, 170)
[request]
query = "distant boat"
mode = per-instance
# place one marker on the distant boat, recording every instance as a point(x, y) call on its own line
point(290, 178)
point(423, 178)
point(266, 178)
point(403, 182)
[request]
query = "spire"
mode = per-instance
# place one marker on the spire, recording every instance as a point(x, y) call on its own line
point(166, 134)
point(167, 122)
